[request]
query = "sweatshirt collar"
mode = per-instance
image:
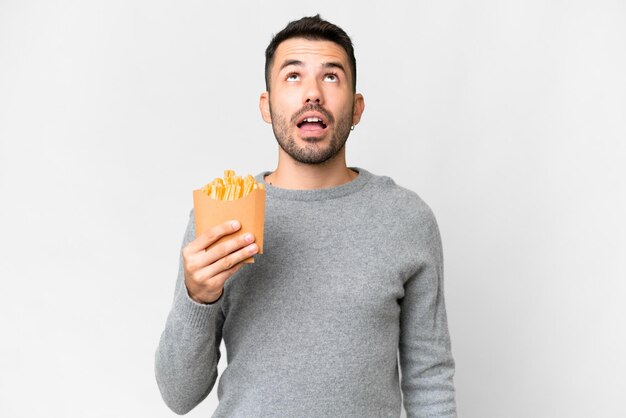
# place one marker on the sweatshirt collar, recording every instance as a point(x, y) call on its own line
point(317, 194)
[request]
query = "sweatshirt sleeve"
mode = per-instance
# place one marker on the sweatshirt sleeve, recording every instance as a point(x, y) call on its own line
point(425, 353)
point(189, 349)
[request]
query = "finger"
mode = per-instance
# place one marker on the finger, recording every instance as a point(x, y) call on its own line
point(196, 263)
point(221, 278)
point(225, 248)
point(214, 287)
point(227, 263)
point(213, 234)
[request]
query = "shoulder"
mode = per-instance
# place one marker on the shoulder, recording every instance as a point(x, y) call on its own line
point(400, 201)
point(405, 219)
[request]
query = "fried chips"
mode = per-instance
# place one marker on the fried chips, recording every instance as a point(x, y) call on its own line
point(231, 187)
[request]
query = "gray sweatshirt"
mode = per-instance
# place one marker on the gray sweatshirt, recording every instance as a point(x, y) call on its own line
point(350, 282)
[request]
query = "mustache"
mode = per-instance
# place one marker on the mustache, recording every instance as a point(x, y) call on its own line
point(312, 108)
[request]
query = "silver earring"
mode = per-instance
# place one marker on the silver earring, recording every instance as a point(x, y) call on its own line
point(352, 127)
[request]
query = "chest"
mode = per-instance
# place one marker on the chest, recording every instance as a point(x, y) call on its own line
point(323, 264)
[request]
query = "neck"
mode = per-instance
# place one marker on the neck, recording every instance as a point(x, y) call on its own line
point(291, 174)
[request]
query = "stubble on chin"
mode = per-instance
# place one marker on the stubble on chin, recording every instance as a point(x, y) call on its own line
point(312, 152)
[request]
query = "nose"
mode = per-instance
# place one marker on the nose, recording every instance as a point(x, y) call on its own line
point(313, 93)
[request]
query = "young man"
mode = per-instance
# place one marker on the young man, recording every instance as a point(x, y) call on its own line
point(350, 279)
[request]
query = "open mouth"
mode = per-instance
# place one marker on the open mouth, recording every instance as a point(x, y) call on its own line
point(311, 123)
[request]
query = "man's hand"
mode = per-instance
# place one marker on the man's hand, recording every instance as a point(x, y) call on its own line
point(206, 270)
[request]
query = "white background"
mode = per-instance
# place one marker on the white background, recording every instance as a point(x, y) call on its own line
point(508, 118)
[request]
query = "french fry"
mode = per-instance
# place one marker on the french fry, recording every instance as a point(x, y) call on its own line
point(231, 186)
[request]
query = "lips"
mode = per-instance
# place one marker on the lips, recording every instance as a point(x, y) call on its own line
point(311, 122)
point(312, 118)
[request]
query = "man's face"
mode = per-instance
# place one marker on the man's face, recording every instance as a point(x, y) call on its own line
point(311, 104)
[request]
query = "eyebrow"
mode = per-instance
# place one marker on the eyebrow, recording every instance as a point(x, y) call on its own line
point(334, 65)
point(287, 63)
point(299, 63)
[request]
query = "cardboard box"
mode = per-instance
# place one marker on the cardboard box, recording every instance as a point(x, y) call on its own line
point(249, 210)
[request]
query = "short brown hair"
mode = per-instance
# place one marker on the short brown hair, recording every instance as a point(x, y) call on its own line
point(312, 28)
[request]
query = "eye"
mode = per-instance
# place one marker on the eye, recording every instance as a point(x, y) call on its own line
point(293, 77)
point(331, 77)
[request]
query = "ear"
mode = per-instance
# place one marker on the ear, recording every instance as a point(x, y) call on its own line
point(359, 107)
point(264, 107)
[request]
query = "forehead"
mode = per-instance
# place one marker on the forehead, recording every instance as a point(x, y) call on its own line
point(310, 52)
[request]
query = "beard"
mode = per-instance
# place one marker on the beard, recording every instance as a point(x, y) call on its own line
point(312, 152)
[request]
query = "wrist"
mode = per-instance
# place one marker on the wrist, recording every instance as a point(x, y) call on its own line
point(211, 299)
